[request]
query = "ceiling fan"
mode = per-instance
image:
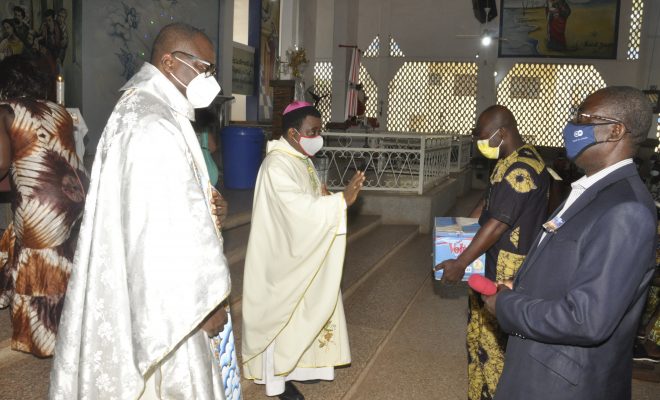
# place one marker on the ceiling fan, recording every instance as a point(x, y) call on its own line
point(487, 35)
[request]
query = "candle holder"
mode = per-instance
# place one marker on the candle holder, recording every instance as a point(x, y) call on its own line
point(297, 60)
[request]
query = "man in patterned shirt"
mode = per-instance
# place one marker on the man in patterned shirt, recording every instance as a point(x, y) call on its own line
point(510, 216)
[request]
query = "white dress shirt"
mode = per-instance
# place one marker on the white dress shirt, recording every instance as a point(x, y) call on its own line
point(581, 185)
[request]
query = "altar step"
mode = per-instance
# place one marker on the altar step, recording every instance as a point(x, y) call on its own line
point(407, 333)
point(236, 239)
point(23, 376)
point(382, 273)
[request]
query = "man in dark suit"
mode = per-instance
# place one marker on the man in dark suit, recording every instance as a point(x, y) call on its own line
point(577, 299)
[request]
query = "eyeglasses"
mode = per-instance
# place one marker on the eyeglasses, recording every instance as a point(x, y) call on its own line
point(210, 67)
point(310, 132)
point(577, 116)
point(608, 120)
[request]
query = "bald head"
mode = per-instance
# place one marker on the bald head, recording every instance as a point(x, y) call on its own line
point(500, 116)
point(621, 116)
point(496, 117)
point(626, 104)
point(181, 52)
point(175, 37)
point(498, 125)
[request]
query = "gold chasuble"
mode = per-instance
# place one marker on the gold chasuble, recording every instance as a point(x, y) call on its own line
point(292, 303)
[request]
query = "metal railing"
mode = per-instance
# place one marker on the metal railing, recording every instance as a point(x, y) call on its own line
point(461, 152)
point(402, 162)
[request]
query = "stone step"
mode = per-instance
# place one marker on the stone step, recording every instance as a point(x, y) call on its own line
point(366, 254)
point(235, 234)
point(424, 355)
point(365, 232)
point(359, 225)
point(236, 220)
point(235, 242)
point(5, 326)
point(358, 228)
point(428, 345)
point(23, 376)
point(372, 310)
point(466, 203)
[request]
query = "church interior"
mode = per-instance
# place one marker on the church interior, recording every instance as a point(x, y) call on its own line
point(399, 85)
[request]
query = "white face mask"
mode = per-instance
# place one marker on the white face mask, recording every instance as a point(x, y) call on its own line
point(200, 91)
point(310, 144)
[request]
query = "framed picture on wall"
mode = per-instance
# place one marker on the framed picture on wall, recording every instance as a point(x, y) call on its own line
point(52, 23)
point(16, 24)
point(41, 28)
point(268, 56)
point(559, 28)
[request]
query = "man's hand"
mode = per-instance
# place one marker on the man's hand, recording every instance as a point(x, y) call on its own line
point(325, 191)
point(508, 284)
point(220, 207)
point(489, 233)
point(453, 271)
point(214, 323)
point(491, 301)
point(353, 188)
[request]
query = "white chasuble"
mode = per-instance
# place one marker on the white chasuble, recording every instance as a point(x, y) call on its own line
point(149, 265)
point(291, 297)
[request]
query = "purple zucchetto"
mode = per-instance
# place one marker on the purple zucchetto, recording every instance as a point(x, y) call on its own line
point(296, 105)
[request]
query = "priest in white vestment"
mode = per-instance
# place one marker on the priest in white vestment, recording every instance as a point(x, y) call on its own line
point(149, 275)
point(294, 327)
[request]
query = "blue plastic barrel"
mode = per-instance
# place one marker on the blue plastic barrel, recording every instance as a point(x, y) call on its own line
point(242, 151)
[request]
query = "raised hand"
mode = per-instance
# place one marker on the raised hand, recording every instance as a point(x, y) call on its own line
point(353, 188)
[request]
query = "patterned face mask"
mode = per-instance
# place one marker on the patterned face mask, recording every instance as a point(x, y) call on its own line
point(579, 137)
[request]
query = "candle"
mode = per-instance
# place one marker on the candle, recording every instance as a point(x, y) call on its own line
point(59, 90)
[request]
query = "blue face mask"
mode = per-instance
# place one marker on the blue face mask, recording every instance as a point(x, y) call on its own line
point(578, 138)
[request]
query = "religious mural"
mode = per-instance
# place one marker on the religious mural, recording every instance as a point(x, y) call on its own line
point(559, 28)
point(38, 27)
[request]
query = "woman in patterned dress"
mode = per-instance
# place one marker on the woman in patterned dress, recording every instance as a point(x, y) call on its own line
point(48, 183)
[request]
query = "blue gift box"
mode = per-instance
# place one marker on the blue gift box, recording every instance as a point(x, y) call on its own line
point(452, 235)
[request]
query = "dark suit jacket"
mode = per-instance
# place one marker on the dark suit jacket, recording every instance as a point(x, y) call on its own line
point(578, 297)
